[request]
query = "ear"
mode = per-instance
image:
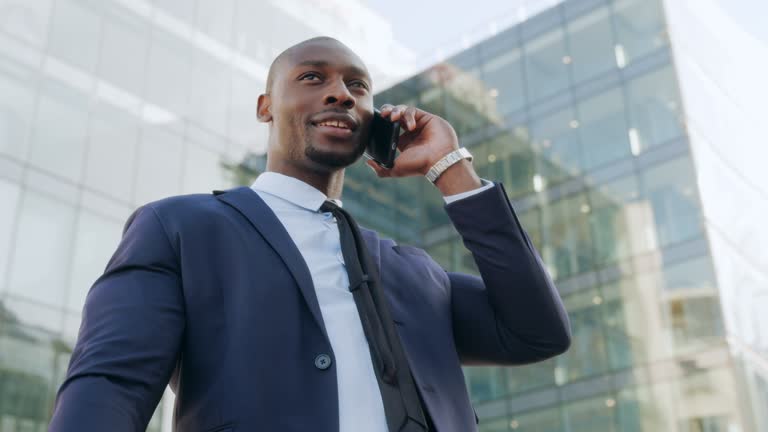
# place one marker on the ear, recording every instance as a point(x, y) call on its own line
point(264, 108)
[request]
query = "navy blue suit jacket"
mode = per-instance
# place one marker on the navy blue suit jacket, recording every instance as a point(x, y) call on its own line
point(210, 293)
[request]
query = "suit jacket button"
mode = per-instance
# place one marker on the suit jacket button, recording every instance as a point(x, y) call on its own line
point(323, 361)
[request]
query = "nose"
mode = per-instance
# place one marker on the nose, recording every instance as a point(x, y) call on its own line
point(339, 95)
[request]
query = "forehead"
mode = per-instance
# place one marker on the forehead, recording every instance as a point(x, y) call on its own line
point(327, 53)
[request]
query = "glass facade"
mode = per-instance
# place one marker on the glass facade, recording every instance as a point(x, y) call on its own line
point(578, 112)
point(104, 106)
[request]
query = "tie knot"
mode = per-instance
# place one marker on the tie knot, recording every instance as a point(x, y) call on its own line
point(329, 206)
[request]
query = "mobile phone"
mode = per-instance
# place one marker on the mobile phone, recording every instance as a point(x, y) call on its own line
point(382, 142)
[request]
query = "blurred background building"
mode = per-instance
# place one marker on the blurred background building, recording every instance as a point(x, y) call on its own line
point(625, 131)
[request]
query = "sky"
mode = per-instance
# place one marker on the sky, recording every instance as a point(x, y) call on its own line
point(430, 25)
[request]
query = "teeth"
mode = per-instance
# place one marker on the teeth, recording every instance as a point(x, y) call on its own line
point(334, 123)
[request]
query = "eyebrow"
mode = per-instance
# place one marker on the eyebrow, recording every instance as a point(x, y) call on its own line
point(322, 63)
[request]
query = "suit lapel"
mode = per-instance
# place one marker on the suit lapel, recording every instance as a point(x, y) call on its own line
point(250, 205)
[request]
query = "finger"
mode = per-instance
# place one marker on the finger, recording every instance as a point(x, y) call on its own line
point(386, 109)
point(397, 112)
point(380, 172)
point(410, 118)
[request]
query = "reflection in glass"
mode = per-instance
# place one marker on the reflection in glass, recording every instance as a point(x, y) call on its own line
point(588, 353)
point(159, 164)
point(603, 129)
point(612, 210)
point(546, 420)
point(467, 98)
point(96, 239)
point(567, 243)
point(503, 75)
point(670, 190)
point(111, 157)
point(124, 49)
point(510, 160)
point(557, 143)
point(639, 27)
point(9, 196)
point(546, 65)
point(75, 33)
point(591, 45)
point(485, 383)
point(654, 108)
point(42, 242)
point(590, 415)
point(26, 20)
point(60, 130)
point(16, 107)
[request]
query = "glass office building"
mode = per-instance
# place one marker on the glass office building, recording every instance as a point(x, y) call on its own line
point(588, 113)
point(106, 105)
point(579, 112)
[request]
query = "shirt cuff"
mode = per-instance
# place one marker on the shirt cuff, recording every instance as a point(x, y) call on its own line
point(453, 198)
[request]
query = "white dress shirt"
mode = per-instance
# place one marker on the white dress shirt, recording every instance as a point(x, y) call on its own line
point(316, 235)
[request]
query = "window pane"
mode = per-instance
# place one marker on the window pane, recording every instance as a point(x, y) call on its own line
point(95, 241)
point(124, 50)
point(244, 129)
point(567, 241)
point(504, 74)
point(611, 213)
point(30, 357)
point(485, 383)
point(216, 19)
point(591, 44)
point(511, 160)
point(209, 97)
point(557, 143)
point(203, 171)
point(625, 330)
point(532, 376)
point(43, 249)
point(182, 10)
point(590, 415)
point(60, 131)
point(546, 73)
point(26, 20)
point(467, 100)
point(670, 190)
point(9, 196)
point(111, 157)
point(168, 74)
point(16, 107)
point(654, 107)
point(639, 27)
point(603, 129)
point(75, 33)
point(588, 354)
point(546, 420)
point(159, 159)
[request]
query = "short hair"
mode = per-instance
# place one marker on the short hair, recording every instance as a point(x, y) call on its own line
point(280, 57)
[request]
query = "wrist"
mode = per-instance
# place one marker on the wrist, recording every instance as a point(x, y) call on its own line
point(459, 177)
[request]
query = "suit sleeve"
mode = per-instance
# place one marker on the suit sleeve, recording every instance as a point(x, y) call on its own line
point(129, 338)
point(512, 314)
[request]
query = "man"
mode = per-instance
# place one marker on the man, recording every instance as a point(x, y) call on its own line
point(264, 314)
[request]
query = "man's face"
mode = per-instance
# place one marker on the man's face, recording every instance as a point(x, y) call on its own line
point(321, 105)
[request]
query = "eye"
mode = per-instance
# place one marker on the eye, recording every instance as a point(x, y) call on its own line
point(358, 83)
point(309, 75)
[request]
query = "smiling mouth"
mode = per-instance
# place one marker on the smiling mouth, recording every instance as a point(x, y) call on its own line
point(337, 124)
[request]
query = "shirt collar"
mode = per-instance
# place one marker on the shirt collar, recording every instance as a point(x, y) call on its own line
point(291, 189)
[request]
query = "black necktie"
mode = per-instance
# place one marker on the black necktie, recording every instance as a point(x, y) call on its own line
point(402, 405)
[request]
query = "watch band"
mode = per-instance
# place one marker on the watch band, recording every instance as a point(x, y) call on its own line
point(443, 164)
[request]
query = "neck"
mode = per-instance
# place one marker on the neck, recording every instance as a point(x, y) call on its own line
point(328, 182)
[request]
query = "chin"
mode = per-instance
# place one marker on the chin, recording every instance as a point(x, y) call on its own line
point(333, 159)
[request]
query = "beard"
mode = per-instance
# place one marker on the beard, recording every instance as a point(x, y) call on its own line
point(335, 159)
